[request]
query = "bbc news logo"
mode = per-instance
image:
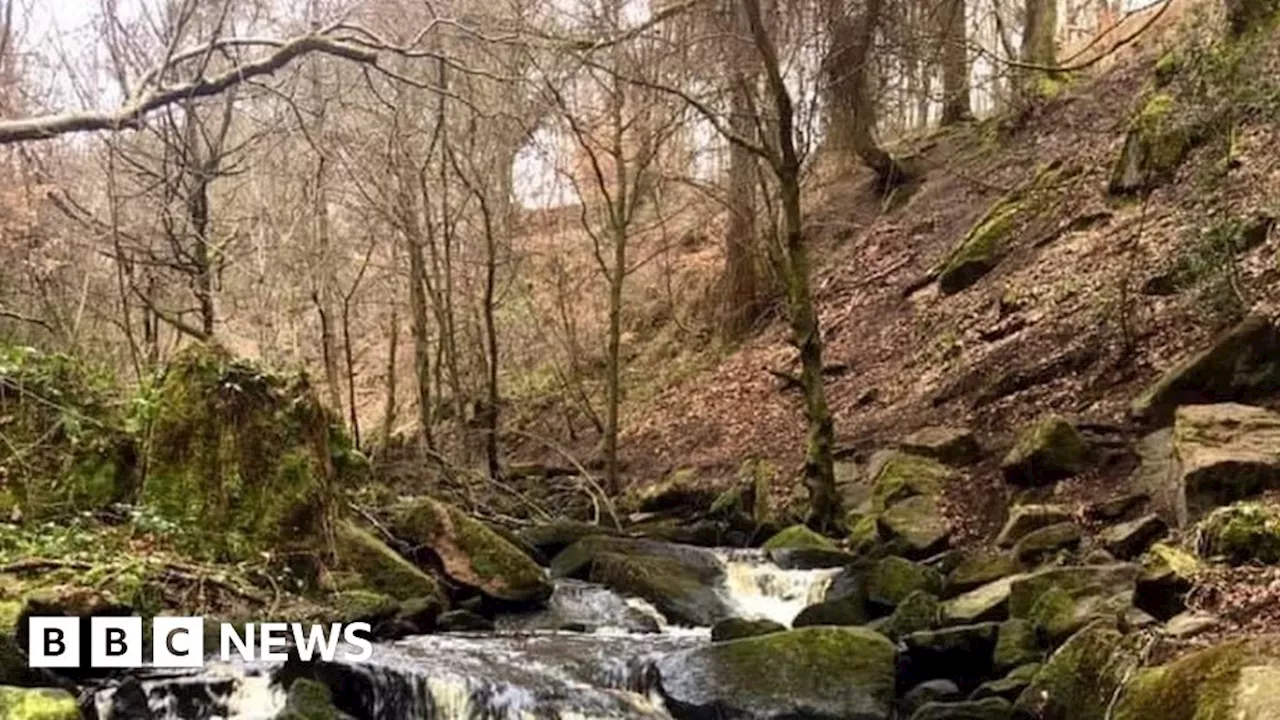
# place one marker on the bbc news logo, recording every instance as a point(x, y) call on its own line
point(178, 642)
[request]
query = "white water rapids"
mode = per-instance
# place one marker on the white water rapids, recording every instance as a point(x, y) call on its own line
point(528, 669)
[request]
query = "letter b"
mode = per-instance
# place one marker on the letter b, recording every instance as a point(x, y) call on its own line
point(53, 642)
point(115, 642)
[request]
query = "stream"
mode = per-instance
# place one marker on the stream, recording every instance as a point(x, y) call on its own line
point(525, 669)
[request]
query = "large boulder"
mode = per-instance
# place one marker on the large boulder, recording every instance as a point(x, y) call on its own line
point(1215, 455)
point(1241, 363)
point(988, 602)
point(379, 568)
point(680, 580)
point(1239, 679)
point(950, 445)
point(1024, 519)
point(821, 673)
point(1168, 574)
point(980, 568)
point(1035, 546)
point(898, 475)
point(739, 628)
point(1080, 680)
point(1046, 451)
point(37, 704)
point(469, 552)
point(982, 248)
point(244, 460)
point(798, 537)
point(963, 653)
point(683, 491)
point(1242, 533)
point(891, 579)
point(1076, 582)
point(917, 524)
point(989, 708)
point(552, 537)
point(1130, 539)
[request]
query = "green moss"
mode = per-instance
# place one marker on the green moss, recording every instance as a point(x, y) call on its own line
point(1080, 679)
point(979, 569)
point(797, 537)
point(864, 532)
point(920, 611)
point(380, 568)
point(309, 700)
point(665, 582)
point(362, 605)
point(918, 523)
point(1017, 644)
point(902, 475)
point(240, 458)
point(1241, 533)
point(892, 579)
point(37, 704)
point(981, 248)
point(1048, 450)
point(1199, 686)
point(470, 552)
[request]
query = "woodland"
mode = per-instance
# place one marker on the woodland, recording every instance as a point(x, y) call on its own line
point(419, 312)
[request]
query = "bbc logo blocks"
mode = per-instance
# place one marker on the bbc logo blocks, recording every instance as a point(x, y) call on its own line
point(115, 642)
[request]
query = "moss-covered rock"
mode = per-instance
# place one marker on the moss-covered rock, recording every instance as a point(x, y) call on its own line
point(1080, 679)
point(470, 553)
point(824, 673)
point(980, 568)
point(1130, 539)
point(37, 704)
point(683, 489)
point(989, 602)
point(982, 247)
point(738, 628)
point(842, 611)
point(893, 578)
point(1241, 533)
point(1168, 573)
point(1094, 580)
point(75, 452)
point(1242, 362)
point(1017, 644)
point(242, 459)
point(679, 580)
point(1239, 679)
point(1010, 686)
point(1037, 545)
point(918, 523)
point(901, 475)
point(1245, 16)
point(918, 612)
point(1048, 450)
point(798, 537)
point(990, 708)
point(864, 532)
point(310, 700)
point(379, 568)
point(1027, 518)
point(950, 445)
point(1154, 148)
point(1222, 453)
point(552, 537)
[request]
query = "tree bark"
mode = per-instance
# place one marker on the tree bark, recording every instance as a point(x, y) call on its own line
point(955, 65)
point(1039, 43)
point(741, 284)
point(851, 108)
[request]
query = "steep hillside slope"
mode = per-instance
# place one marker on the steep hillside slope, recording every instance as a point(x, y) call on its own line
point(1097, 288)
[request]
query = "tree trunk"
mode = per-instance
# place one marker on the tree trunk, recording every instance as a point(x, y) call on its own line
point(824, 503)
point(741, 283)
point(955, 64)
point(851, 108)
point(1039, 44)
point(618, 272)
point(418, 309)
point(393, 343)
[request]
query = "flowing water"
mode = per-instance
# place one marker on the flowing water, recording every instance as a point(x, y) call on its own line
point(529, 668)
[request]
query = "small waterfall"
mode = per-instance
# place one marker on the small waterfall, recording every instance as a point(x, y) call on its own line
point(756, 588)
point(530, 668)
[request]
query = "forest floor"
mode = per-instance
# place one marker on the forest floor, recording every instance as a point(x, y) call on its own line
point(1066, 323)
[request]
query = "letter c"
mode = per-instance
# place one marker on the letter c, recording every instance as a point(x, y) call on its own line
point(168, 642)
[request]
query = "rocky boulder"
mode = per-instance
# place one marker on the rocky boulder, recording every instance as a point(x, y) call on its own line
point(1241, 363)
point(1075, 582)
point(1242, 533)
point(798, 537)
point(822, 673)
point(989, 602)
point(1130, 539)
point(898, 475)
point(949, 445)
point(917, 524)
point(892, 579)
point(1024, 519)
point(739, 628)
point(469, 552)
point(680, 580)
point(963, 653)
point(1239, 679)
point(37, 704)
point(979, 569)
point(1037, 545)
point(990, 708)
point(367, 563)
point(1080, 679)
point(1046, 451)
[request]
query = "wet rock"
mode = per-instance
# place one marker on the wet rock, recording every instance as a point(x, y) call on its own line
point(738, 628)
point(823, 673)
point(1242, 363)
point(918, 523)
point(799, 537)
point(989, 602)
point(892, 579)
point(310, 700)
point(810, 558)
point(949, 445)
point(470, 553)
point(918, 612)
point(1047, 451)
point(980, 569)
point(350, 606)
point(1130, 539)
point(1187, 625)
point(1017, 644)
point(1010, 686)
point(380, 568)
point(1024, 519)
point(1039, 544)
point(940, 690)
point(846, 611)
point(553, 537)
point(463, 621)
point(37, 704)
point(1080, 679)
point(1238, 679)
point(680, 580)
point(962, 653)
point(991, 708)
